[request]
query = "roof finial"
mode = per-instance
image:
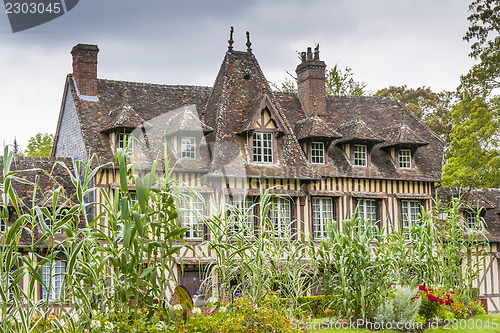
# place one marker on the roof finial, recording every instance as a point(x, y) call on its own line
point(249, 44)
point(230, 41)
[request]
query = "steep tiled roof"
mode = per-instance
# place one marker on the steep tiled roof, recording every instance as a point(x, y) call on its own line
point(149, 101)
point(487, 198)
point(229, 108)
point(402, 136)
point(123, 117)
point(315, 127)
point(47, 173)
point(357, 131)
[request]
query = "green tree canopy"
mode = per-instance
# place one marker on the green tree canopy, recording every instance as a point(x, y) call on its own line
point(433, 108)
point(484, 33)
point(474, 144)
point(40, 145)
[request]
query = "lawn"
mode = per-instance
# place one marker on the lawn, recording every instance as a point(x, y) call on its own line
point(474, 325)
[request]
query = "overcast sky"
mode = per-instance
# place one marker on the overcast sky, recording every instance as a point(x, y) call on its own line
point(385, 42)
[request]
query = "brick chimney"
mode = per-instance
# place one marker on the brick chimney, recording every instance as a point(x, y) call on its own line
point(85, 68)
point(311, 83)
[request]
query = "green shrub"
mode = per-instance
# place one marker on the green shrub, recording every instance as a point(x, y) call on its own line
point(402, 309)
point(477, 308)
point(313, 305)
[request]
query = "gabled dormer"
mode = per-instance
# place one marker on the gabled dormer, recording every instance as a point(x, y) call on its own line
point(119, 127)
point(262, 130)
point(357, 142)
point(315, 137)
point(184, 133)
point(401, 144)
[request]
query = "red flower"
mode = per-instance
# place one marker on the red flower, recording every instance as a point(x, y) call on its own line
point(448, 302)
point(452, 292)
point(422, 288)
point(440, 300)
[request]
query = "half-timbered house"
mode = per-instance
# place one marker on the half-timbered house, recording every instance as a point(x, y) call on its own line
point(327, 156)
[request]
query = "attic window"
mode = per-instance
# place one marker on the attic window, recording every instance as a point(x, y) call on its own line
point(318, 153)
point(188, 147)
point(247, 77)
point(263, 147)
point(125, 141)
point(360, 155)
point(404, 159)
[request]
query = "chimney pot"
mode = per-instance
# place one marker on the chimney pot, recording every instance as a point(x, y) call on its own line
point(85, 68)
point(311, 83)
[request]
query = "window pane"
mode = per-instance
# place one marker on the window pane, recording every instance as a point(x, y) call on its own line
point(405, 158)
point(192, 209)
point(126, 140)
point(322, 215)
point(188, 147)
point(241, 218)
point(367, 212)
point(262, 147)
point(280, 216)
point(360, 155)
point(53, 279)
point(318, 153)
point(410, 211)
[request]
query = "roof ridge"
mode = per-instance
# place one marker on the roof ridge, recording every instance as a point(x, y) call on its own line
point(155, 84)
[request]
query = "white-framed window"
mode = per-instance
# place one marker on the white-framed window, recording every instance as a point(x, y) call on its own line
point(322, 215)
point(410, 213)
point(318, 153)
point(262, 147)
point(50, 224)
point(405, 159)
point(125, 140)
point(133, 198)
point(360, 155)
point(280, 215)
point(242, 216)
point(192, 216)
point(53, 279)
point(188, 147)
point(473, 224)
point(367, 212)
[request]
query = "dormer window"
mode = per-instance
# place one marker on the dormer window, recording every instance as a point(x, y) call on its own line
point(404, 159)
point(360, 155)
point(318, 153)
point(262, 147)
point(125, 140)
point(188, 147)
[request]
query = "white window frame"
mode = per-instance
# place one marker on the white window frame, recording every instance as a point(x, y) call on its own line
point(53, 277)
point(473, 224)
point(262, 143)
point(188, 147)
point(318, 153)
point(242, 217)
point(130, 142)
point(280, 214)
point(322, 215)
point(367, 212)
point(360, 155)
point(404, 159)
point(410, 214)
point(192, 216)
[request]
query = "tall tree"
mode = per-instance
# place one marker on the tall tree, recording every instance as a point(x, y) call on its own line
point(474, 150)
point(433, 108)
point(40, 145)
point(484, 33)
